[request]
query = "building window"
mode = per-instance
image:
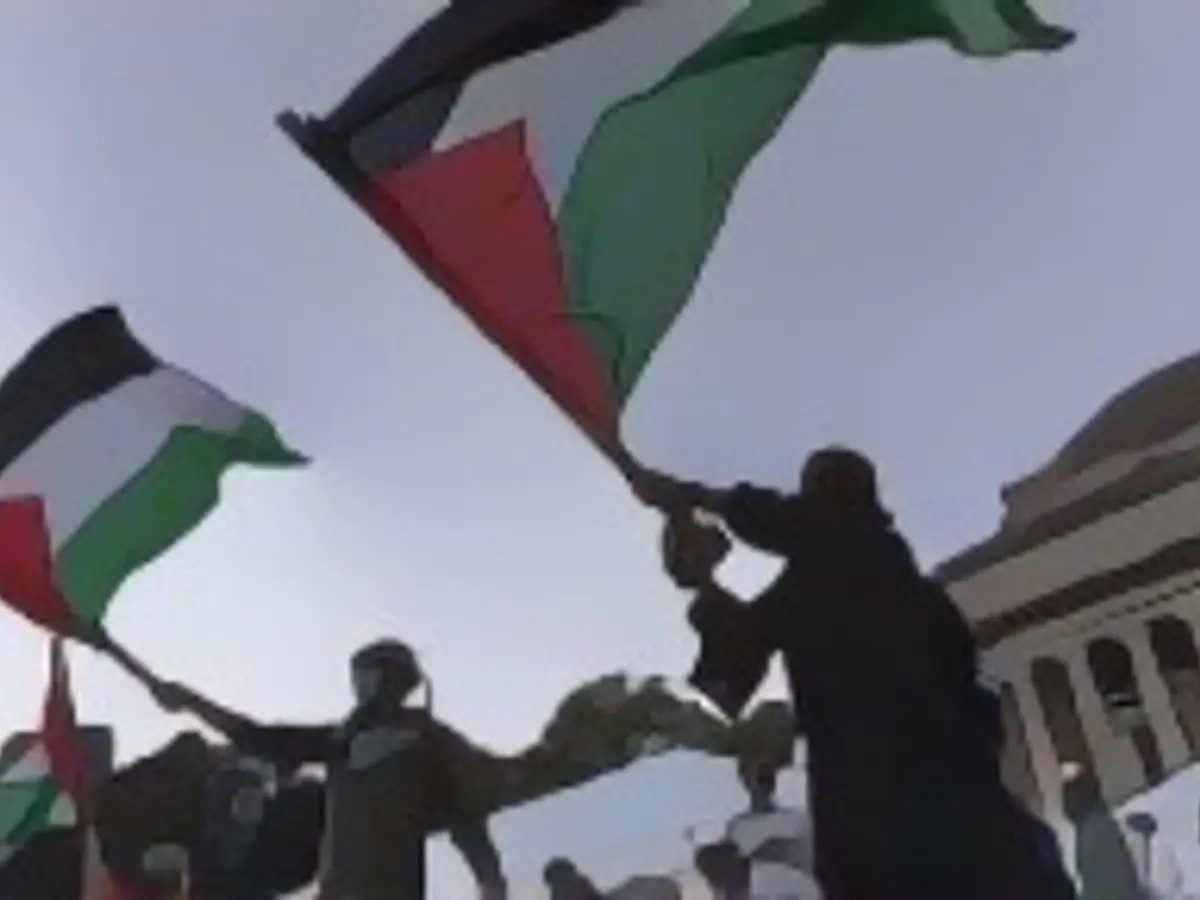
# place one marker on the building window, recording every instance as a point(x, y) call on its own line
point(1111, 665)
point(1052, 684)
point(1174, 648)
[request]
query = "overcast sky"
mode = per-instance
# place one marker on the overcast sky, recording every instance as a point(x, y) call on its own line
point(948, 263)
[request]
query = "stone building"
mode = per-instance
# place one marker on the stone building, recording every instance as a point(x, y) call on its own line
point(1087, 598)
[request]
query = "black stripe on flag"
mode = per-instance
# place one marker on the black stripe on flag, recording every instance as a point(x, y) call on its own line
point(82, 358)
point(417, 85)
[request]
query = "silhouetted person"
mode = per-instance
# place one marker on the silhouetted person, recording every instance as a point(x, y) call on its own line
point(564, 881)
point(1103, 859)
point(158, 800)
point(394, 776)
point(724, 870)
point(186, 800)
point(261, 839)
point(1157, 864)
point(774, 840)
point(905, 791)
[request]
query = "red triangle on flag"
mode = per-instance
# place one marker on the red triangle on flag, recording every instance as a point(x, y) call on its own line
point(27, 580)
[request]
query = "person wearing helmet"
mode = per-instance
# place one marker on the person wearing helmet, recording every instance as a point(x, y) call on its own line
point(394, 775)
point(904, 781)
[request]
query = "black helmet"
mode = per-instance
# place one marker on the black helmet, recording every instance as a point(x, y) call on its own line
point(395, 661)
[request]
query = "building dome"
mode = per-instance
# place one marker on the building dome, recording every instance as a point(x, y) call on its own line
point(1157, 407)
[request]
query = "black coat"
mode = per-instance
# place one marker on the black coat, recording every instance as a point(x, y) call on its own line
point(903, 744)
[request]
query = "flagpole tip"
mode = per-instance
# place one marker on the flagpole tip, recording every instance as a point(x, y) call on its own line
point(291, 123)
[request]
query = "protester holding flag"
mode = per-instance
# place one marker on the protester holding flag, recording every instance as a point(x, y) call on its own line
point(904, 783)
point(394, 775)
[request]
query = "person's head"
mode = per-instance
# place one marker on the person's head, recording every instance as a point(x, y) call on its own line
point(692, 550)
point(840, 475)
point(386, 670)
point(564, 880)
point(759, 780)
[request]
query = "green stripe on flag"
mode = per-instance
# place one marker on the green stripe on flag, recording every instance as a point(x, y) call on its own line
point(652, 188)
point(25, 810)
point(657, 175)
point(177, 488)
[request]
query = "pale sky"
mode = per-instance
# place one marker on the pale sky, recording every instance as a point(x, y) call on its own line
point(948, 263)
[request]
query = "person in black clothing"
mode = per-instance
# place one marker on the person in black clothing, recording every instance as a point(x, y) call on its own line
point(394, 775)
point(285, 854)
point(904, 777)
point(158, 800)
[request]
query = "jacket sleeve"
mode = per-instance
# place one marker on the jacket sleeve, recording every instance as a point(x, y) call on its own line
point(736, 646)
point(463, 778)
point(759, 517)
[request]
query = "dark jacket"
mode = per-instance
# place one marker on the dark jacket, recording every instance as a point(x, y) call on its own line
point(903, 743)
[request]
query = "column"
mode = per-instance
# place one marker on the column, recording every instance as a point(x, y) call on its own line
point(1016, 761)
point(1046, 770)
point(1160, 708)
point(1118, 767)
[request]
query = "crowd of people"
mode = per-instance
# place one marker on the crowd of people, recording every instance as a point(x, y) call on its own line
point(905, 802)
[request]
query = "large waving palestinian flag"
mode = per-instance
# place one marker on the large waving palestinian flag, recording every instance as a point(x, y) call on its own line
point(108, 456)
point(561, 168)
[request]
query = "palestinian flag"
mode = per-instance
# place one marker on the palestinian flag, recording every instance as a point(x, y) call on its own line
point(561, 168)
point(42, 786)
point(108, 455)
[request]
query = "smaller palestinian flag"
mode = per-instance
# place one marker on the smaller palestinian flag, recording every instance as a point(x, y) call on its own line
point(42, 787)
point(108, 456)
point(562, 168)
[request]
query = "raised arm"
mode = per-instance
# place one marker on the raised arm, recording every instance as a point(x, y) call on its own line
point(759, 517)
point(288, 746)
point(670, 494)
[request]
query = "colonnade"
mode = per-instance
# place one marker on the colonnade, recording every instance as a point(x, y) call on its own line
point(1121, 703)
